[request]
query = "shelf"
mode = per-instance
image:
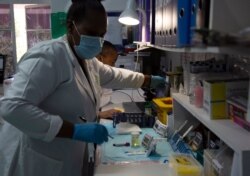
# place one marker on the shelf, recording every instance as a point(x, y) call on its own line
point(232, 134)
point(140, 54)
point(206, 49)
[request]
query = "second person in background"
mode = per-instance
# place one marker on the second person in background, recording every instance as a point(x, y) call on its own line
point(107, 56)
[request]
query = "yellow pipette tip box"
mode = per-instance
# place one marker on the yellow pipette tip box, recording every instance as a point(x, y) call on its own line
point(184, 165)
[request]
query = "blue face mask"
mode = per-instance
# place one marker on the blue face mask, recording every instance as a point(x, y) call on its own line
point(89, 46)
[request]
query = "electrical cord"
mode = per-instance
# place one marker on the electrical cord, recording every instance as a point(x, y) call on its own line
point(140, 94)
point(131, 98)
point(137, 57)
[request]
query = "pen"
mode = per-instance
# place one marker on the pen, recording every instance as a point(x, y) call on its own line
point(110, 136)
point(83, 118)
point(127, 144)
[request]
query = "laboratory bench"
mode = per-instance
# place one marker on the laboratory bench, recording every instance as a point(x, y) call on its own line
point(127, 160)
point(120, 97)
point(117, 161)
point(115, 158)
point(135, 169)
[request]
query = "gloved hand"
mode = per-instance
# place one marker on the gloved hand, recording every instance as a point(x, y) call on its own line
point(157, 81)
point(90, 132)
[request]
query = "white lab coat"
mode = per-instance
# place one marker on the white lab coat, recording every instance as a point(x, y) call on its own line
point(48, 88)
point(105, 96)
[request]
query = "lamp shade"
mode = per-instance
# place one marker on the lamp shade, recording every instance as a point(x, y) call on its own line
point(129, 16)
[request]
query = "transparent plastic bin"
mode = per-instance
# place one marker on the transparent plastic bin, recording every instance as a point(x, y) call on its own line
point(218, 162)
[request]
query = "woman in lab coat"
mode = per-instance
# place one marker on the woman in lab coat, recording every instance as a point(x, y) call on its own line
point(55, 90)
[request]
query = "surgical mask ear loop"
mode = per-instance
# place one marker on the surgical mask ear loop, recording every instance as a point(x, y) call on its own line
point(72, 39)
point(101, 42)
point(101, 58)
point(76, 31)
point(76, 28)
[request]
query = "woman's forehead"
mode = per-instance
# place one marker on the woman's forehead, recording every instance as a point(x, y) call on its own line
point(96, 18)
point(95, 24)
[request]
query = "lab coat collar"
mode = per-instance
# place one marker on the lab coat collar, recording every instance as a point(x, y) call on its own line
point(81, 77)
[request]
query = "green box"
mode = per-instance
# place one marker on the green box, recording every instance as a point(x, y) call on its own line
point(58, 24)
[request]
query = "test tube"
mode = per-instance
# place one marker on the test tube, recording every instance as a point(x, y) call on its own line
point(135, 141)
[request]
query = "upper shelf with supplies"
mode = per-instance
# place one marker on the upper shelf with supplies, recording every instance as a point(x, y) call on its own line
point(189, 25)
point(205, 49)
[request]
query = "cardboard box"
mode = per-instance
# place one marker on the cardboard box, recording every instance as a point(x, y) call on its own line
point(216, 93)
point(237, 106)
point(237, 111)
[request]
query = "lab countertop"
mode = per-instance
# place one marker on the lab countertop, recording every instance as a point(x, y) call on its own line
point(114, 161)
point(127, 95)
point(138, 169)
point(124, 95)
point(113, 155)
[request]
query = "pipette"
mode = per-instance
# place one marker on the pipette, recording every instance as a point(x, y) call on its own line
point(184, 135)
point(180, 128)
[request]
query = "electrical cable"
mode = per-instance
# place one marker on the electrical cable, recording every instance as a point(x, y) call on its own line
point(135, 69)
point(137, 57)
point(140, 94)
point(132, 93)
point(131, 98)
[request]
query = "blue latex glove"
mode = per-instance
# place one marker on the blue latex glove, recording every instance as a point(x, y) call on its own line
point(90, 132)
point(157, 82)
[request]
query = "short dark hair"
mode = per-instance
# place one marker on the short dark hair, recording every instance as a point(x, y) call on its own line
point(79, 9)
point(108, 45)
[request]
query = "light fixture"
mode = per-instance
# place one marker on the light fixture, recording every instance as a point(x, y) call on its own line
point(130, 17)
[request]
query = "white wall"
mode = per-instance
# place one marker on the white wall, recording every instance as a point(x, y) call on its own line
point(110, 5)
point(114, 31)
point(20, 30)
point(60, 5)
point(114, 5)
